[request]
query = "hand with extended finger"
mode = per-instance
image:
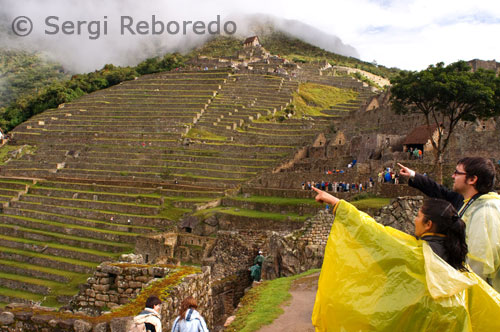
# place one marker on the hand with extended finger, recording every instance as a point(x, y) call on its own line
point(405, 171)
point(324, 197)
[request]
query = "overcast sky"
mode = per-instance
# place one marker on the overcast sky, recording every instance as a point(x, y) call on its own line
point(404, 34)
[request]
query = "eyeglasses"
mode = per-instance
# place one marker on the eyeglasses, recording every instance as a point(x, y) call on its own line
point(455, 172)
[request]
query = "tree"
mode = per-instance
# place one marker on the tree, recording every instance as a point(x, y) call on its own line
point(446, 95)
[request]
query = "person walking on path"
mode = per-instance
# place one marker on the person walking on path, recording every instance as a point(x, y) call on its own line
point(477, 204)
point(189, 320)
point(150, 316)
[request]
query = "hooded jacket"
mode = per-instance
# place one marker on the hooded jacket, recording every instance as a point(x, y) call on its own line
point(376, 278)
point(482, 220)
point(150, 316)
point(192, 322)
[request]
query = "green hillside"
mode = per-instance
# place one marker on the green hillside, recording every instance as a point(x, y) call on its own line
point(293, 49)
point(23, 73)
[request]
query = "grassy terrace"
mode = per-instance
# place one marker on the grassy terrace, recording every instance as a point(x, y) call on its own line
point(62, 226)
point(89, 222)
point(277, 200)
point(120, 247)
point(58, 246)
point(251, 214)
point(312, 98)
point(109, 212)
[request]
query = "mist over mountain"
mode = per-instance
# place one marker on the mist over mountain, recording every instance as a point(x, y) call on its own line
point(262, 24)
point(78, 53)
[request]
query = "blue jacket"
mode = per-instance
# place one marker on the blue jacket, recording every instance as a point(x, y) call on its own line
point(193, 322)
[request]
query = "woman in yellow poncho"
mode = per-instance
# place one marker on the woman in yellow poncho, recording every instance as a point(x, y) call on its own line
point(376, 278)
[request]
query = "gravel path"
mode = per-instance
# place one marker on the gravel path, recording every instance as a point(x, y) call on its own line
point(297, 315)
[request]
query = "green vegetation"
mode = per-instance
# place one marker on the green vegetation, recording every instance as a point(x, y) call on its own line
point(50, 96)
point(277, 200)
point(220, 46)
point(445, 96)
point(171, 212)
point(371, 203)
point(6, 148)
point(365, 79)
point(312, 98)
point(293, 49)
point(261, 305)
point(251, 214)
point(23, 73)
point(296, 49)
point(204, 134)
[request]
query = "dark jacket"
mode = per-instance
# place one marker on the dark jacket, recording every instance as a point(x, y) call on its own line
point(437, 245)
point(433, 189)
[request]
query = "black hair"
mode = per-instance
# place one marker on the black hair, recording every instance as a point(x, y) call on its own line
point(152, 301)
point(482, 168)
point(447, 222)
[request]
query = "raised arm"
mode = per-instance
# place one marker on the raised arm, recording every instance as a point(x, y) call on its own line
point(324, 197)
point(430, 187)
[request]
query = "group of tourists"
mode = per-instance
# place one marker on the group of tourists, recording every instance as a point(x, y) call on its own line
point(415, 153)
point(444, 278)
point(341, 186)
point(388, 176)
point(188, 320)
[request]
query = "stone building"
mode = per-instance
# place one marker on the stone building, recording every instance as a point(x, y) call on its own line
point(251, 42)
point(420, 138)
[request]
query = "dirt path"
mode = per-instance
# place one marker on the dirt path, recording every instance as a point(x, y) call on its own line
point(297, 315)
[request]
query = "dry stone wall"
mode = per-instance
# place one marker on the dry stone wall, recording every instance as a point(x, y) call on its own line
point(401, 213)
point(115, 284)
point(25, 318)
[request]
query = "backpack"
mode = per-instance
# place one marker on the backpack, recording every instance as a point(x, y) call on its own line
point(138, 327)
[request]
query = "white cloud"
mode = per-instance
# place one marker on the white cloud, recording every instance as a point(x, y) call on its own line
point(405, 34)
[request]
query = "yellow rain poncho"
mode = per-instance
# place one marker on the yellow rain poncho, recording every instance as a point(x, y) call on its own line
point(376, 278)
point(483, 237)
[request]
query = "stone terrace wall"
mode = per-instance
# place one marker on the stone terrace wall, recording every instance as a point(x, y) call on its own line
point(304, 249)
point(298, 251)
point(115, 284)
point(400, 213)
point(16, 318)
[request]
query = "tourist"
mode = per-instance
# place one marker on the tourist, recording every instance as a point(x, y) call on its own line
point(478, 206)
point(415, 153)
point(189, 320)
point(387, 280)
point(150, 316)
point(256, 268)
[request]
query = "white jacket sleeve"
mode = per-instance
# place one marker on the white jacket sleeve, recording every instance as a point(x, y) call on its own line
point(483, 237)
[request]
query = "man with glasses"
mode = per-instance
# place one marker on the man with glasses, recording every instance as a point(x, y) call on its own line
point(478, 205)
